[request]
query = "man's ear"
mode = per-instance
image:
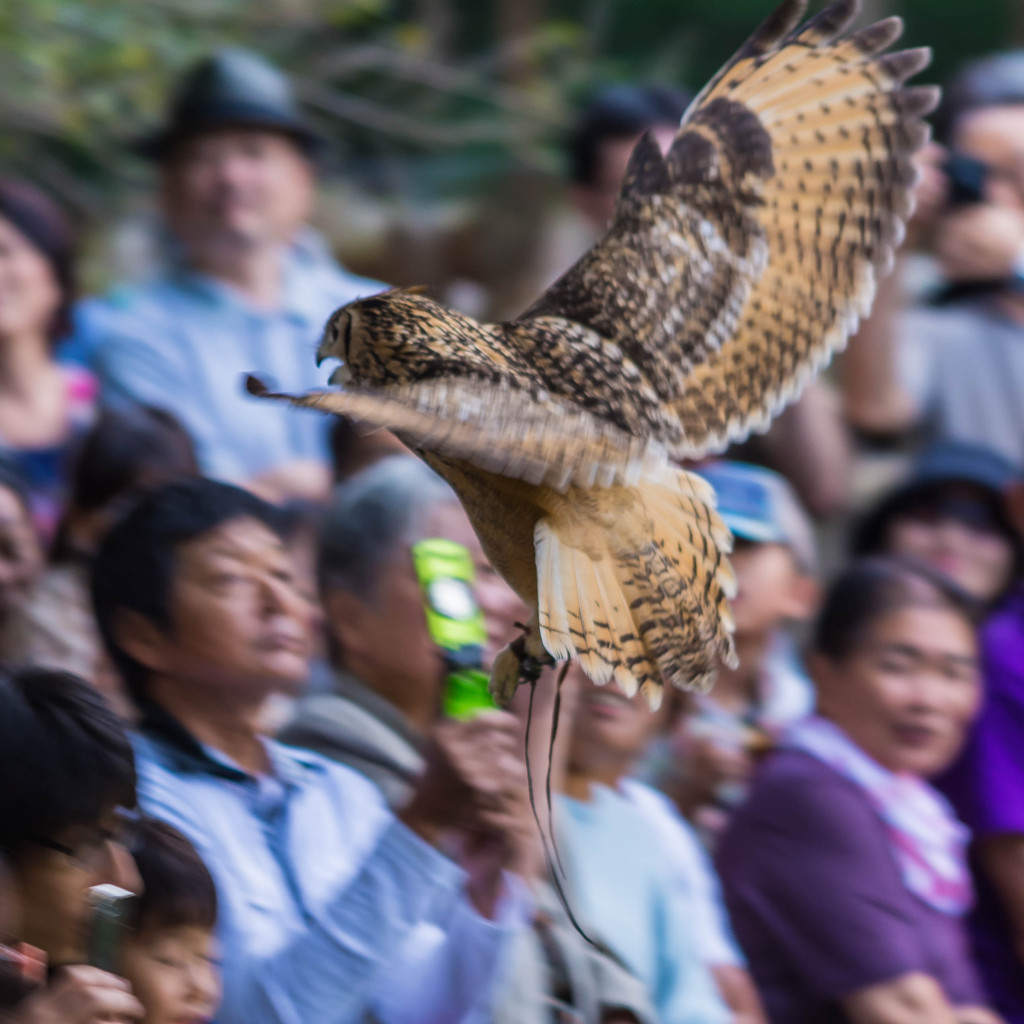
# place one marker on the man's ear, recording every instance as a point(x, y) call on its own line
point(344, 614)
point(142, 640)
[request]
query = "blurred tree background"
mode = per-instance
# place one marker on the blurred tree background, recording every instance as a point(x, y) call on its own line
point(446, 117)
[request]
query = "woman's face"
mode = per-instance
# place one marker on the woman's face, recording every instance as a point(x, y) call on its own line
point(29, 292)
point(609, 728)
point(908, 693)
point(955, 530)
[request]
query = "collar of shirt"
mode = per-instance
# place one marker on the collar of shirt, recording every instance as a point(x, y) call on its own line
point(358, 693)
point(289, 767)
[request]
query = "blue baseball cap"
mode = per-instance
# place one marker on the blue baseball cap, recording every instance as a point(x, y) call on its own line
point(759, 505)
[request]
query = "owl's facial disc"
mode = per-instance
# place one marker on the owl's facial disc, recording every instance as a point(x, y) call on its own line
point(337, 344)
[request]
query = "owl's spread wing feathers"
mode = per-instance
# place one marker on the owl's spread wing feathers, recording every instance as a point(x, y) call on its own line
point(496, 427)
point(738, 263)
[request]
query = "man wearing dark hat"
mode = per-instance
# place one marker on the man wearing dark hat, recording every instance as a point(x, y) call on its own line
point(249, 288)
point(956, 366)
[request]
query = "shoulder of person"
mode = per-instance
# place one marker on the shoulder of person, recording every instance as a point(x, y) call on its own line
point(794, 792)
point(956, 320)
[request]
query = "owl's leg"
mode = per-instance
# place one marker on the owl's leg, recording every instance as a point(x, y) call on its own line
point(519, 662)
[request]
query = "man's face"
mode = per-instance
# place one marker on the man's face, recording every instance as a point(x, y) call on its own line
point(384, 634)
point(52, 879)
point(233, 189)
point(995, 136)
point(597, 199)
point(240, 621)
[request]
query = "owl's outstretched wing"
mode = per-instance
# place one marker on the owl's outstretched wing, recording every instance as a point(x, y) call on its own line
point(500, 428)
point(739, 262)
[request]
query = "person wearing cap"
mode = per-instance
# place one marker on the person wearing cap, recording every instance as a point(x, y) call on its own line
point(952, 513)
point(248, 288)
point(709, 756)
point(956, 367)
point(45, 407)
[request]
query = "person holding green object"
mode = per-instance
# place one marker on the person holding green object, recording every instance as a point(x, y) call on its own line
point(402, 586)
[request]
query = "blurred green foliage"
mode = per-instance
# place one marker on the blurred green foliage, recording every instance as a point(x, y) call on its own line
point(421, 97)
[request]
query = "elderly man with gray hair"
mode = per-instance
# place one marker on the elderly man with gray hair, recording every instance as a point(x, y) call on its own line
point(389, 695)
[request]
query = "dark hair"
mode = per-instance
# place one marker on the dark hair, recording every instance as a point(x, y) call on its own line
point(128, 450)
point(873, 588)
point(134, 567)
point(65, 757)
point(47, 227)
point(616, 112)
point(370, 515)
point(993, 81)
point(177, 886)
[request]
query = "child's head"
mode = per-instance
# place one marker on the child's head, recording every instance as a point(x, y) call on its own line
point(951, 514)
point(170, 957)
point(773, 556)
point(128, 451)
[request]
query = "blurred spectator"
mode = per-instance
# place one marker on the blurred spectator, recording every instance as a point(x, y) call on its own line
point(330, 907)
point(388, 697)
point(389, 671)
point(957, 368)
point(44, 406)
point(170, 956)
point(127, 452)
point(951, 514)
point(249, 289)
point(68, 778)
point(845, 872)
point(604, 137)
point(620, 882)
point(712, 751)
point(21, 554)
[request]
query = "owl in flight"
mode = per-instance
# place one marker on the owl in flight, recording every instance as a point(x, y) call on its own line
point(733, 268)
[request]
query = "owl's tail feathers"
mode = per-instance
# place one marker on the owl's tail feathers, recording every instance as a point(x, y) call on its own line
point(634, 582)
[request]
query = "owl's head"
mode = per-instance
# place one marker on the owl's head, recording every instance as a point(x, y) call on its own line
point(395, 336)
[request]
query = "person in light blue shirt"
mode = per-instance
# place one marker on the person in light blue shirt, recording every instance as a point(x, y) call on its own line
point(621, 878)
point(247, 286)
point(332, 908)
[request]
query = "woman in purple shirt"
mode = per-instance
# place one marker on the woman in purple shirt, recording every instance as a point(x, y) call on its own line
point(845, 873)
point(953, 512)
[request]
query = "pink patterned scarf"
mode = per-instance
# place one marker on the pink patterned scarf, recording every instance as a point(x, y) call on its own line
point(928, 841)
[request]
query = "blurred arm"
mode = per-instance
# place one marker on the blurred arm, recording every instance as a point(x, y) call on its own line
point(874, 397)
point(909, 999)
point(809, 444)
point(1003, 860)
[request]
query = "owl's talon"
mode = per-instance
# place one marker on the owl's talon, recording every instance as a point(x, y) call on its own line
point(515, 664)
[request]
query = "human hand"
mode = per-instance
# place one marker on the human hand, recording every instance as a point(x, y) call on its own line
point(981, 242)
point(474, 777)
point(81, 995)
point(976, 1015)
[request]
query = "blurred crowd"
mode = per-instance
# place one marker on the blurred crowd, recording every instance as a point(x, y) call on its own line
point(235, 780)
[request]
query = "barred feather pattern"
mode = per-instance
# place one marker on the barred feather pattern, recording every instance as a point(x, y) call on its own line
point(734, 266)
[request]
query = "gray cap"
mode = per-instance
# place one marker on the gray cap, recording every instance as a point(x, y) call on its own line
point(232, 88)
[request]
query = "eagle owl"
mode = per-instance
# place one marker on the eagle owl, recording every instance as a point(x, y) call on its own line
point(734, 266)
